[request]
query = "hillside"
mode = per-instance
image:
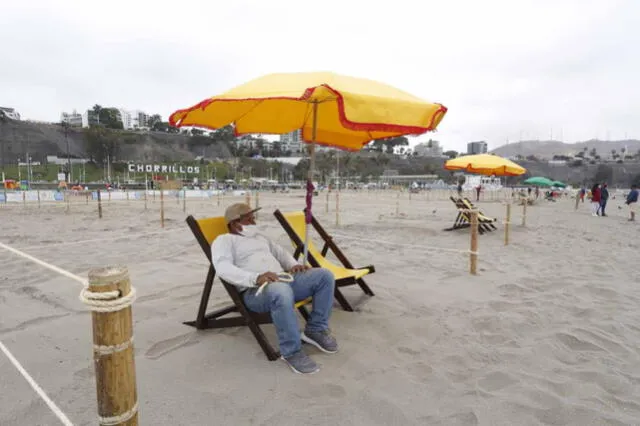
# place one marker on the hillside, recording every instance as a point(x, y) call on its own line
point(547, 149)
point(41, 139)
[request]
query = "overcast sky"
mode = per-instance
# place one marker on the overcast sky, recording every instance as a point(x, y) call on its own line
point(505, 69)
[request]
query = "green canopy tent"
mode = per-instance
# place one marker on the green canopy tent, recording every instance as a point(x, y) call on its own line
point(539, 181)
point(558, 184)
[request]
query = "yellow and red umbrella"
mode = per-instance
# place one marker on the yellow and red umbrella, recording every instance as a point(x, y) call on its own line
point(485, 164)
point(330, 109)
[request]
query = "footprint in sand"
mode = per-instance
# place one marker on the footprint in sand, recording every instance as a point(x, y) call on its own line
point(163, 347)
point(496, 381)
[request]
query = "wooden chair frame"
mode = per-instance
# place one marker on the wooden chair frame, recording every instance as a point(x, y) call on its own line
point(220, 318)
point(463, 220)
point(329, 244)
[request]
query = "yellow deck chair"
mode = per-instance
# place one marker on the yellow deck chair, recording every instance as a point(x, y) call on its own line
point(345, 275)
point(206, 231)
point(463, 219)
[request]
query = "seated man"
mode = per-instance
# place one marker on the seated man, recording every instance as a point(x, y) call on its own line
point(247, 259)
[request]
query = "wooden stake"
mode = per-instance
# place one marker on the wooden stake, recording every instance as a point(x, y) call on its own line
point(337, 208)
point(87, 197)
point(161, 208)
point(66, 194)
point(38, 191)
point(473, 255)
point(99, 205)
point(257, 202)
point(24, 198)
point(219, 193)
point(326, 206)
point(524, 213)
point(113, 352)
point(145, 199)
point(109, 200)
point(247, 199)
point(507, 223)
point(184, 200)
point(398, 204)
point(127, 192)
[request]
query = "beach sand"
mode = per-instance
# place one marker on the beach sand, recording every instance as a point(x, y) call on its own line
point(547, 333)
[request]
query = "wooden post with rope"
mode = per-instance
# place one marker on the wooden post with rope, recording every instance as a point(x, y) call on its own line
point(38, 198)
point(524, 213)
point(473, 253)
point(507, 223)
point(326, 206)
point(257, 202)
point(109, 296)
point(184, 200)
point(398, 204)
point(24, 198)
point(99, 205)
point(145, 199)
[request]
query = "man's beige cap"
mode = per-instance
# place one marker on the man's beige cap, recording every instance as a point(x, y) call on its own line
point(237, 211)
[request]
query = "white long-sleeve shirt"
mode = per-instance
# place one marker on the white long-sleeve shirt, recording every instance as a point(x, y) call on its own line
point(239, 259)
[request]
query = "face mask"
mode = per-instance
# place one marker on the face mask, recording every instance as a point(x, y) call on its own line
point(249, 231)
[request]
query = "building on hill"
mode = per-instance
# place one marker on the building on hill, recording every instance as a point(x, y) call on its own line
point(428, 149)
point(10, 113)
point(74, 119)
point(135, 119)
point(291, 141)
point(479, 147)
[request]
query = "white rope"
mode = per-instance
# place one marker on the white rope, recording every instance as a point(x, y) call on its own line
point(108, 350)
point(45, 264)
point(108, 301)
point(406, 245)
point(116, 420)
point(284, 277)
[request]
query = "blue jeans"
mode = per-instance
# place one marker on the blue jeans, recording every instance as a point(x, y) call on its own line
point(278, 299)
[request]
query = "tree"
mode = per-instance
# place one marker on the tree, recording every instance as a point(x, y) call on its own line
point(155, 123)
point(451, 154)
point(196, 132)
point(100, 143)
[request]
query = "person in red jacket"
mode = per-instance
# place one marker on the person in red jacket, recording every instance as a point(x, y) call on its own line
point(595, 199)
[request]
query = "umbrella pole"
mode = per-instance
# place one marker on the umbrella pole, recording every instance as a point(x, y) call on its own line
point(312, 165)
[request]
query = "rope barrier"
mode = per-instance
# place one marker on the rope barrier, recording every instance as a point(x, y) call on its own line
point(431, 248)
point(116, 420)
point(108, 301)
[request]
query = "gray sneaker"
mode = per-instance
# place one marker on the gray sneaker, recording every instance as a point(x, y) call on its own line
point(322, 340)
point(301, 363)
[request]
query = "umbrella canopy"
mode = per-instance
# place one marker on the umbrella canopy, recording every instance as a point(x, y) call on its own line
point(330, 109)
point(539, 181)
point(559, 184)
point(350, 111)
point(485, 164)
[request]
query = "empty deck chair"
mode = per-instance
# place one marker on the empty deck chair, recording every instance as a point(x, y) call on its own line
point(206, 231)
point(345, 275)
point(463, 219)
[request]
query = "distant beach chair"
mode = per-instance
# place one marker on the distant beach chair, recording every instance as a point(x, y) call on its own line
point(206, 231)
point(345, 275)
point(463, 219)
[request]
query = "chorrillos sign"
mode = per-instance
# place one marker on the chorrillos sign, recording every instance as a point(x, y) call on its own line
point(163, 168)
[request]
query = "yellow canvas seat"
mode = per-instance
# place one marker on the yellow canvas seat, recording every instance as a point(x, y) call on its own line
point(206, 231)
point(345, 274)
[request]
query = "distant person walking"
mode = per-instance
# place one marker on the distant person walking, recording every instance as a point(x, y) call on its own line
point(478, 189)
point(604, 197)
point(595, 199)
point(632, 200)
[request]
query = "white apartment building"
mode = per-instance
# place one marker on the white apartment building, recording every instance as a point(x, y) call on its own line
point(135, 119)
point(74, 119)
point(428, 149)
point(10, 113)
point(291, 142)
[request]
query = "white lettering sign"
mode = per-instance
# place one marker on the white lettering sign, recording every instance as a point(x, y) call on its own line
point(163, 168)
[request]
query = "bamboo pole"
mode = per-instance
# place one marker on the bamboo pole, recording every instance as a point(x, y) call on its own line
point(161, 207)
point(99, 205)
point(473, 254)
point(507, 223)
point(113, 352)
point(524, 213)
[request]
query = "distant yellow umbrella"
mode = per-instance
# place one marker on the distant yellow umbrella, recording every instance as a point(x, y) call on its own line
point(346, 112)
point(330, 109)
point(485, 164)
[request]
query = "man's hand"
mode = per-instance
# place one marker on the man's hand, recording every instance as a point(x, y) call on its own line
point(299, 268)
point(267, 277)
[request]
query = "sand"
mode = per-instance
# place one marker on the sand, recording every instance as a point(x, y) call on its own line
point(548, 332)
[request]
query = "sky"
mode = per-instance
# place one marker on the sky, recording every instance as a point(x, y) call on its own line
point(506, 70)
